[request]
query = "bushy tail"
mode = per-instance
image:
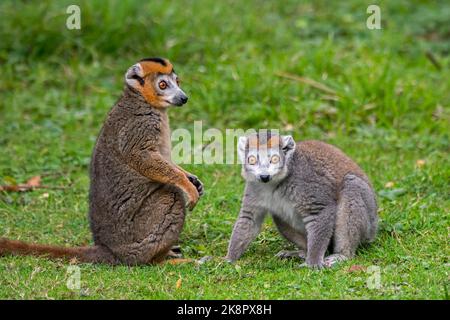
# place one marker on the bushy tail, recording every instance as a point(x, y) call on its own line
point(94, 254)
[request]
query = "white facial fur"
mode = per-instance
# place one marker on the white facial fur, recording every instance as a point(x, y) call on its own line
point(264, 169)
point(172, 94)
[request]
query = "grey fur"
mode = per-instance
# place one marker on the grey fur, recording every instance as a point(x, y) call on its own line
point(316, 195)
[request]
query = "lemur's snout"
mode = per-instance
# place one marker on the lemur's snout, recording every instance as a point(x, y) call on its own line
point(180, 99)
point(264, 178)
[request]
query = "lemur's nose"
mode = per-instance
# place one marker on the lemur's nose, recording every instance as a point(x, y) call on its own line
point(184, 99)
point(264, 178)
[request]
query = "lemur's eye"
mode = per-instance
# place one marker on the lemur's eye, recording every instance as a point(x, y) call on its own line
point(275, 159)
point(162, 85)
point(251, 160)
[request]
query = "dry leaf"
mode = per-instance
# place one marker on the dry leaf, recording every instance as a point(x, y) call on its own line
point(389, 184)
point(34, 181)
point(420, 163)
point(178, 285)
point(356, 268)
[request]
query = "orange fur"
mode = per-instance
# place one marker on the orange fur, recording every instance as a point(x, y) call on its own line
point(151, 69)
point(273, 142)
point(178, 261)
point(24, 248)
point(253, 142)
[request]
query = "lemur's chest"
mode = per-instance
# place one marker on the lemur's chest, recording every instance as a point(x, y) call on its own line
point(278, 204)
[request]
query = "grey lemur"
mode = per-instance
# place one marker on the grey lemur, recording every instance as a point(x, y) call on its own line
point(137, 195)
point(318, 198)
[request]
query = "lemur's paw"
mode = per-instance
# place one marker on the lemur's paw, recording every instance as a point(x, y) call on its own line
point(174, 253)
point(332, 259)
point(191, 196)
point(197, 183)
point(316, 265)
point(229, 259)
point(286, 254)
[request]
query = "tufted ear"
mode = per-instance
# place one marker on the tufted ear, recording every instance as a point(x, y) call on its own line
point(288, 143)
point(134, 75)
point(242, 143)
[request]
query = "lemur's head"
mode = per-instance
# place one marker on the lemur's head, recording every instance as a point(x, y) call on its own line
point(157, 82)
point(265, 156)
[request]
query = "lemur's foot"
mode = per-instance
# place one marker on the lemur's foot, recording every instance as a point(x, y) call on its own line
point(332, 259)
point(175, 252)
point(286, 254)
point(197, 183)
point(317, 266)
point(328, 262)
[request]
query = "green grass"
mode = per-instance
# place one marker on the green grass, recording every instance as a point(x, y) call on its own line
point(56, 87)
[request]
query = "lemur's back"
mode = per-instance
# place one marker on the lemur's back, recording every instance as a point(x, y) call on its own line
point(329, 160)
point(115, 186)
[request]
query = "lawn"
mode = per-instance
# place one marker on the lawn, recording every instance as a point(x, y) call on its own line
point(386, 104)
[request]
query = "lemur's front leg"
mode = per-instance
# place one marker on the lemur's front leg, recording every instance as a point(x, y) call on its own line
point(319, 230)
point(153, 165)
point(245, 230)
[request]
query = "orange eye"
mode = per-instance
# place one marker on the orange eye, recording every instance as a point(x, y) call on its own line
point(251, 160)
point(275, 159)
point(162, 85)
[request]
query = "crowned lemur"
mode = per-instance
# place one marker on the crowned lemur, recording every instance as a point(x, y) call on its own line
point(138, 196)
point(318, 197)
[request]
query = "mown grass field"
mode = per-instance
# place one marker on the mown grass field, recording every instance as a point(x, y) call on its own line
point(389, 110)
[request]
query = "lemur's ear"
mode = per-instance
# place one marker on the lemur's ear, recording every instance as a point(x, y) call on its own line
point(288, 143)
point(242, 143)
point(134, 75)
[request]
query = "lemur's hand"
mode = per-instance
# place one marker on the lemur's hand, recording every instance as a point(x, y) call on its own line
point(196, 182)
point(191, 196)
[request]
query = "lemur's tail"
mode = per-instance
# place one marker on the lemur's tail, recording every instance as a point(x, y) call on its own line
point(92, 254)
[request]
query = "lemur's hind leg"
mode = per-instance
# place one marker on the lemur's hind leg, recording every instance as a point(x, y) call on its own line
point(157, 224)
point(356, 219)
point(293, 236)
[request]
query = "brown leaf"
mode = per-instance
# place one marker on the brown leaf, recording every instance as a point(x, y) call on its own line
point(10, 188)
point(389, 184)
point(420, 163)
point(356, 268)
point(178, 285)
point(34, 182)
